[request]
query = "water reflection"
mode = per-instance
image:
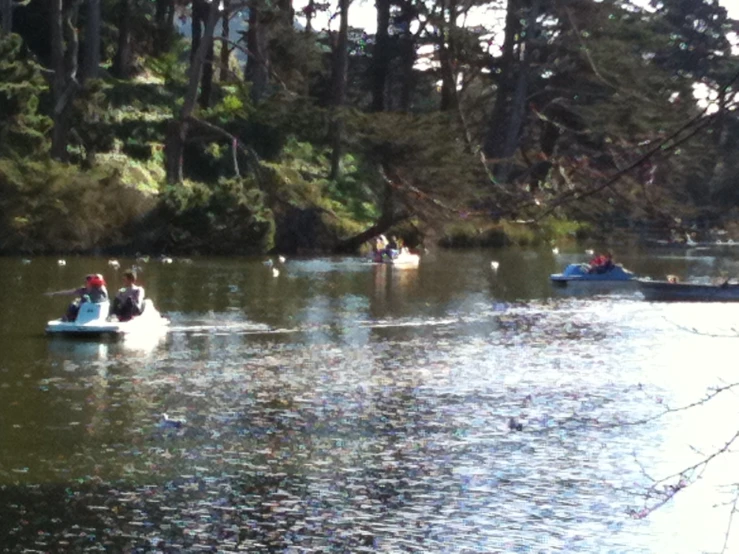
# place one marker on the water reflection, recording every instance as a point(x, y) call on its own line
point(351, 407)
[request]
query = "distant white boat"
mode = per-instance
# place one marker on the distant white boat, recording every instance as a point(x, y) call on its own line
point(402, 258)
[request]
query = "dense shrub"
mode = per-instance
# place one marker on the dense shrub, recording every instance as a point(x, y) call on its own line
point(46, 206)
point(227, 217)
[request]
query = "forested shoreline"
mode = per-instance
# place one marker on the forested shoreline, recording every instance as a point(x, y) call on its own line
point(262, 130)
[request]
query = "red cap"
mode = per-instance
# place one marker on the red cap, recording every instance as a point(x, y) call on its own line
point(96, 280)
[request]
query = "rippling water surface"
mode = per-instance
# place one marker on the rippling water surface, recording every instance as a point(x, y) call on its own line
point(343, 407)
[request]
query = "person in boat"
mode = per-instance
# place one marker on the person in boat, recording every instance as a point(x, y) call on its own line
point(93, 291)
point(602, 263)
point(129, 301)
point(391, 250)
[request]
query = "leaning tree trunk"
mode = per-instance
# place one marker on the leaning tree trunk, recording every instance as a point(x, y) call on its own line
point(91, 59)
point(177, 129)
point(123, 60)
point(6, 14)
point(341, 66)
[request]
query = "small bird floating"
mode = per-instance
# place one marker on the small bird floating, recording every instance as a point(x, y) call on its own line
point(61, 262)
point(494, 265)
point(115, 264)
point(281, 259)
point(555, 251)
point(172, 422)
point(275, 272)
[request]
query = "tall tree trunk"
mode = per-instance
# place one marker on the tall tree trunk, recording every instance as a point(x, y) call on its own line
point(123, 60)
point(6, 14)
point(381, 57)
point(164, 22)
point(206, 85)
point(341, 66)
point(177, 129)
point(509, 113)
point(310, 11)
point(196, 27)
point(91, 59)
point(447, 58)
point(65, 47)
point(287, 13)
point(257, 63)
point(407, 54)
point(225, 48)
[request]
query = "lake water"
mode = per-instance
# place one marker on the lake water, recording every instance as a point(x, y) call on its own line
point(347, 407)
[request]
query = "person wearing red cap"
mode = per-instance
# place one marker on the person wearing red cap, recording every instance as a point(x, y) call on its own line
point(93, 291)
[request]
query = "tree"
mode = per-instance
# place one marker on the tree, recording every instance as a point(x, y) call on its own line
point(258, 64)
point(200, 14)
point(123, 60)
point(381, 56)
point(65, 47)
point(6, 17)
point(164, 22)
point(91, 58)
point(508, 117)
point(178, 128)
point(339, 76)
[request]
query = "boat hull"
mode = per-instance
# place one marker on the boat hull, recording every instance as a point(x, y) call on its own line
point(664, 291)
point(578, 273)
point(93, 321)
point(403, 259)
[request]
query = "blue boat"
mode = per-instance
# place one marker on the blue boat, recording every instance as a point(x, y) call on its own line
point(672, 291)
point(582, 273)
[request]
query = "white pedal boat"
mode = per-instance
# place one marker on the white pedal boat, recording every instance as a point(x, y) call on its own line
point(94, 318)
point(402, 258)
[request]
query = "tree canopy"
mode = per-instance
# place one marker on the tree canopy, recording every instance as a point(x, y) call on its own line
point(614, 113)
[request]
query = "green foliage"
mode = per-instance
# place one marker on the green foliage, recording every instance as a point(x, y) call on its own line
point(227, 217)
point(23, 129)
point(169, 69)
point(300, 180)
point(468, 233)
point(47, 206)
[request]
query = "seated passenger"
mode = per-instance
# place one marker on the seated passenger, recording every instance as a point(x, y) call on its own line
point(391, 250)
point(602, 263)
point(93, 291)
point(129, 301)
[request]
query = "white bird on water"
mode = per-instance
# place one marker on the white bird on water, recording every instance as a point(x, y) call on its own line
point(590, 252)
point(281, 259)
point(275, 272)
point(173, 422)
point(115, 264)
point(555, 251)
point(494, 265)
point(61, 262)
